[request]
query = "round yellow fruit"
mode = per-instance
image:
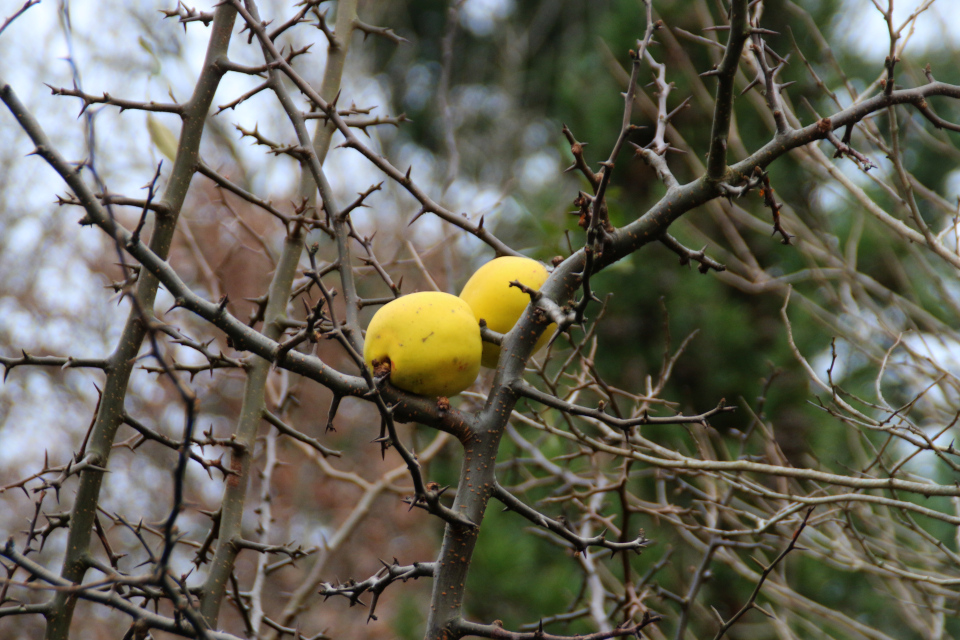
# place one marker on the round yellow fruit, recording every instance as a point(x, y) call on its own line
point(430, 340)
point(489, 294)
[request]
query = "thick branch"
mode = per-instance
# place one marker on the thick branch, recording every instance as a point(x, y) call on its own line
point(726, 73)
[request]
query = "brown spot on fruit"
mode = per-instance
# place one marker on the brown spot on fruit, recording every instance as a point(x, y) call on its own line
point(382, 367)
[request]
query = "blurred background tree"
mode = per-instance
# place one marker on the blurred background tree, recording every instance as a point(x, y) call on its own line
point(855, 376)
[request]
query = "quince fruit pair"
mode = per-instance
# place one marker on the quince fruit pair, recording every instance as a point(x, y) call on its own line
point(430, 341)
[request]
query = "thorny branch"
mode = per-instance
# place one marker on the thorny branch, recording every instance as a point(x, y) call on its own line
point(376, 584)
point(576, 437)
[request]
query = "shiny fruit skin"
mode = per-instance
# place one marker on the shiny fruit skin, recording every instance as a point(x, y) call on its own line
point(489, 294)
point(432, 340)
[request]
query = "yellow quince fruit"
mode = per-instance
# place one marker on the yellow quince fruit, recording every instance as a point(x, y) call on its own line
point(430, 341)
point(489, 294)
